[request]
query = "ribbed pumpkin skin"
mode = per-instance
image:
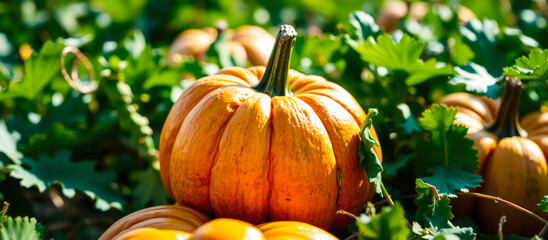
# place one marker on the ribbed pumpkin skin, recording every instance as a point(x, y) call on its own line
point(170, 217)
point(229, 150)
point(248, 43)
point(153, 233)
point(513, 168)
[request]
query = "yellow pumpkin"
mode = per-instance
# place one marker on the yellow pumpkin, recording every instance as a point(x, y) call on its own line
point(153, 233)
point(250, 44)
point(266, 144)
point(512, 159)
point(232, 229)
point(284, 230)
point(172, 217)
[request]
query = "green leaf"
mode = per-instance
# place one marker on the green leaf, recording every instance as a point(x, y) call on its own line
point(451, 178)
point(40, 70)
point(486, 9)
point(409, 125)
point(123, 11)
point(482, 37)
point(389, 224)
point(438, 119)
point(148, 189)
point(446, 155)
point(403, 56)
point(72, 176)
point(543, 205)
point(534, 66)
point(436, 214)
point(476, 79)
point(138, 69)
point(368, 158)
point(447, 142)
point(364, 26)
point(20, 228)
point(57, 137)
point(390, 168)
point(9, 143)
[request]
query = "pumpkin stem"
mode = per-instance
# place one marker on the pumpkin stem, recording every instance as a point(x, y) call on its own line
point(275, 81)
point(507, 122)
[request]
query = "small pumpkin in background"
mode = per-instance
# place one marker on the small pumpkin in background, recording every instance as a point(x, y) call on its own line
point(249, 44)
point(266, 144)
point(170, 217)
point(511, 154)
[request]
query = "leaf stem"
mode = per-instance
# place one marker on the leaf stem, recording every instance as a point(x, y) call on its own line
point(5, 208)
point(543, 230)
point(445, 149)
point(386, 195)
point(485, 196)
point(343, 212)
point(501, 223)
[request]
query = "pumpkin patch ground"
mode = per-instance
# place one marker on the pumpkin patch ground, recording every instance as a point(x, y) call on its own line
point(281, 120)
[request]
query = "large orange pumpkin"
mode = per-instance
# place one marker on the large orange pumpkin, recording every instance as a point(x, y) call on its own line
point(512, 159)
point(261, 144)
point(170, 217)
point(250, 44)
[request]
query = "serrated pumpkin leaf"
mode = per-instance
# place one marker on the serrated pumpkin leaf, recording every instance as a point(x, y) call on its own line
point(9, 143)
point(72, 176)
point(40, 69)
point(20, 228)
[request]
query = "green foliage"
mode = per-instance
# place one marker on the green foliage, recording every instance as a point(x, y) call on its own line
point(446, 157)
point(482, 37)
point(9, 143)
point(148, 189)
point(543, 205)
point(40, 69)
point(389, 224)
point(105, 144)
point(364, 26)
point(56, 138)
point(368, 158)
point(403, 56)
point(72, 176)
point(534, 66)
point(476, 79)
point(20, 228)
point(435, 214)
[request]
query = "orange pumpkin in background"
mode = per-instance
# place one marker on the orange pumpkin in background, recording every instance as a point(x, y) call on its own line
point(250, 44)
point(169, 217)
point(512, 158)
point(266, 144)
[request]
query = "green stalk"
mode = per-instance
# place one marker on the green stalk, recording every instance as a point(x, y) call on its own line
point(275, 81)
point(507, 122)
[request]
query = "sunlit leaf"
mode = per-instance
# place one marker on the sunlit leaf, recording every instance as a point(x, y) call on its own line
point(72, 176)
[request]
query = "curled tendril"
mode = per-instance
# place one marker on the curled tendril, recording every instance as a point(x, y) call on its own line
point(73, 79)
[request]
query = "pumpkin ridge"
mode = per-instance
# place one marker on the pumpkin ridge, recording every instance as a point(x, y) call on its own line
point(300, 155)
point(231, 152)
point(200, 185)
point(173, 123)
